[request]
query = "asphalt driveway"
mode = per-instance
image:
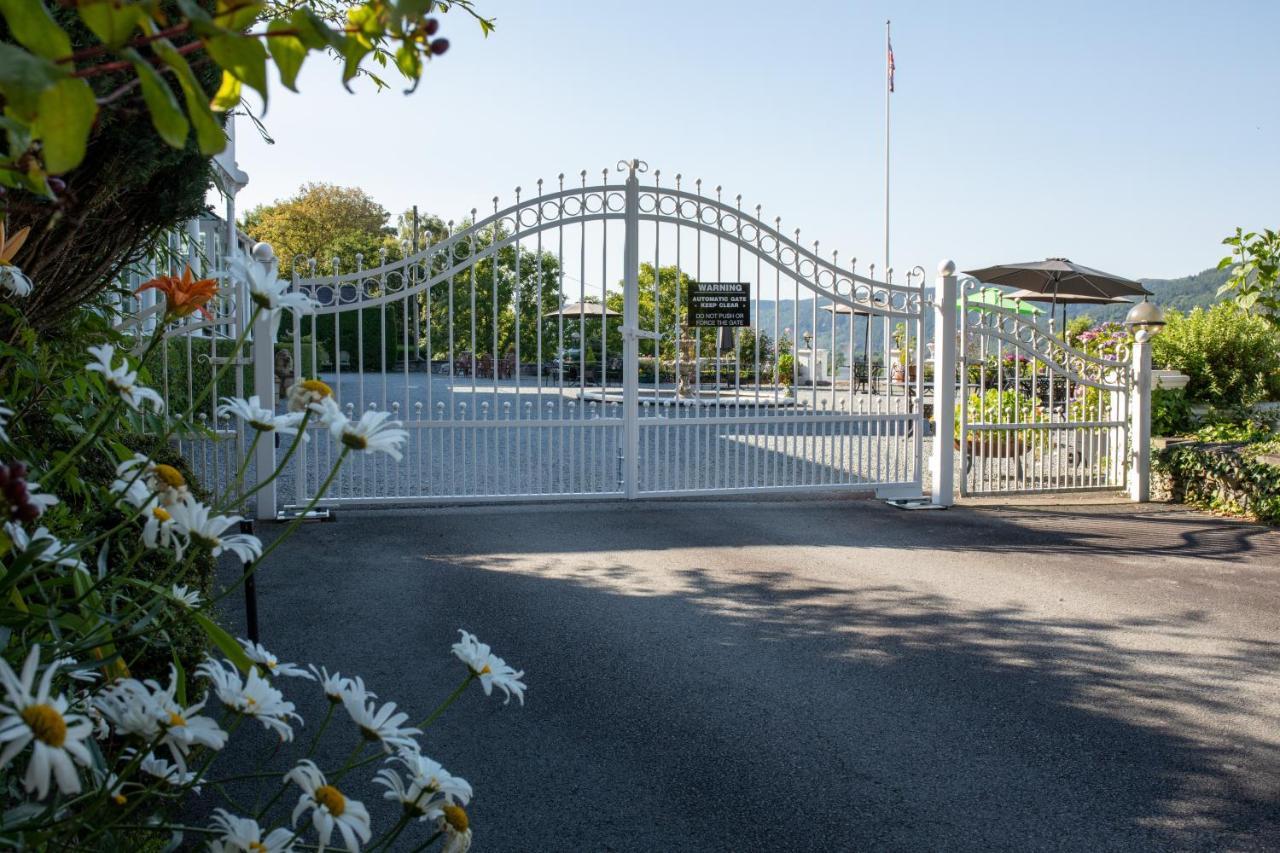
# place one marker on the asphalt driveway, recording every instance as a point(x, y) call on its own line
point(818, 675)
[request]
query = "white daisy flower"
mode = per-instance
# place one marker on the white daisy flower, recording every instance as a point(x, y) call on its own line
point(130, 708)
point(254, 696)
point(428, 788)
point(371, 434)
point(85, 676)
point(43, 544)
point(244, 835)
point(122, 380)
point(187, 597)
point(310, 394)
point(171, 774)
point(30, 715)
point(40, 502)
point(383, 724)
point(492, 670)
point(158, 531)
point(145, 709)
point(263, 420)
point(5, 414)
point(264, 658)
point(14, 280)
point(139, 479)
point(454, 824)
point(329, 808)
point(193, 520)
point(334, 686)
point(268, 291)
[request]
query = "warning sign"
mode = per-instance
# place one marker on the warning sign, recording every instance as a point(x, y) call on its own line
point(719, 304)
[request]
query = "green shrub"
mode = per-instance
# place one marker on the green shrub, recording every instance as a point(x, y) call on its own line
point(1232, 357)
point(1221, 479)
point(1170, 412)
point(352, 343)
point(185, 365)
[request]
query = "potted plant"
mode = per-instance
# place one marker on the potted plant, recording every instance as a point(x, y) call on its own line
point(903, 368)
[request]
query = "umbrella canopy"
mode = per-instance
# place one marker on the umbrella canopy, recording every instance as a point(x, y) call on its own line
point(996, 297)
point(1059, 276)
point(583, 309)
point(1067, 299)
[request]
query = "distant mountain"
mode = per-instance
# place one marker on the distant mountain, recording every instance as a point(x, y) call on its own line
point(1192, 291)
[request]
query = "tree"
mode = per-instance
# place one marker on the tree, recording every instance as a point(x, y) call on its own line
point(113, 109)
point(323, 221)
point(1255, 273)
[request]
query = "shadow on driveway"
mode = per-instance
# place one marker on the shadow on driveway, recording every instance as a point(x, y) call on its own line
point(815, 676)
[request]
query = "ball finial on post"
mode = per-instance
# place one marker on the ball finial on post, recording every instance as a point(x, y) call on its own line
point(263, 253)
point(946, 266)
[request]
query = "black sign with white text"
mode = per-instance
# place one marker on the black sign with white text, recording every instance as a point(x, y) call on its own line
point(719, 304)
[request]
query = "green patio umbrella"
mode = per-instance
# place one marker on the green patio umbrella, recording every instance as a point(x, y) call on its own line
point(997, 298)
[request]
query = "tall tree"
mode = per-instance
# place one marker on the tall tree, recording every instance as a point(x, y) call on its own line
point(322, 221)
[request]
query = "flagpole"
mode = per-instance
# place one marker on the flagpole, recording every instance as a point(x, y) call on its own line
point(888, 91)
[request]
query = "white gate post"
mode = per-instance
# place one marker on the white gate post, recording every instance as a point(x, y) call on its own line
point(264, 385)
point(630, 332)
point(942, 464)
point(1140, 418)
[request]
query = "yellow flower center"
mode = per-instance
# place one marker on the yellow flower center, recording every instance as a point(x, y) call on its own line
point(331, 798)
point(46, 724)
point(120, 799)
point(485, 670)
point(315, 386)
point(169, 475)
point(456, 817)
point(176, 719)
point(161, 514)
point(257, 847)
point(355, 441)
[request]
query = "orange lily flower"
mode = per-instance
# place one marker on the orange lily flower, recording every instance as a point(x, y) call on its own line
point(184, 295)
point(9, 247)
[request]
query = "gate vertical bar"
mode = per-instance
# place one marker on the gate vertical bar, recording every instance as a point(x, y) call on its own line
point(264, 385)
point(944, 386)
point(631, 329)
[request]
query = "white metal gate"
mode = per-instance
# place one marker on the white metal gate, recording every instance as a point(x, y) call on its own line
point(1035, 414)
point(520, 375)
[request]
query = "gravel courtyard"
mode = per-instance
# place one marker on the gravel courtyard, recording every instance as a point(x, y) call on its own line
point(817, 675)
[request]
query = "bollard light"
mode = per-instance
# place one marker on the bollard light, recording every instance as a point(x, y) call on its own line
point(1145, 317)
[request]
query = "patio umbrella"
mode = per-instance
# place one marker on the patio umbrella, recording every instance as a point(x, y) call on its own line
point(996, 298)
point(837, 309)
point(1060, 277)
point(1065, 300)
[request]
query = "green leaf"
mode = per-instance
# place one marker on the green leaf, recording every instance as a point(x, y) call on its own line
point(228, 94)
point(209, 135)
point(180, 692)
point(409, 62)
point(34, 28)
point(287, 52)
point(66, 113)
point(224, 641)
point(245, 58)
point(23, 76)
point(112, 24)
point(313, 31)
point(353, 50)
point(236, 15)
point(166, 115)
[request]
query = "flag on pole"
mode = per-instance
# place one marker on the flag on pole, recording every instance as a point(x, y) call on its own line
point(890, 44)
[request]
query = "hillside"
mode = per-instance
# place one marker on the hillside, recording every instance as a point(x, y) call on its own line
point(1183, 294)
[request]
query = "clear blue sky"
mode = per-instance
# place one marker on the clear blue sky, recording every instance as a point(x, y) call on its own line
point(1128, 136)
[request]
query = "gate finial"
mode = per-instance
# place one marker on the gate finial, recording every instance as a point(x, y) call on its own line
point(633, 167)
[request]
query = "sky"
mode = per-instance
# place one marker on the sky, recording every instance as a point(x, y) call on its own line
point(1128, 136)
